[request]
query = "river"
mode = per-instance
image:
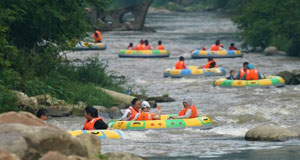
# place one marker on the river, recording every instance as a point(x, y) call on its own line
point(234, 111)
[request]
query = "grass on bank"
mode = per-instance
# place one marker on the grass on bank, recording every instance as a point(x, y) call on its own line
point(67, 82)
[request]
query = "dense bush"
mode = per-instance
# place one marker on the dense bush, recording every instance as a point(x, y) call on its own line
point(33, 33)
point(269, 22)
point(7, 100)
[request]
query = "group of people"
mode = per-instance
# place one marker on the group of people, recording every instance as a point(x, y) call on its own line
point(138, 111)
point(144, 45)
point(248, 72)
point(218, 46)
point(211, 63)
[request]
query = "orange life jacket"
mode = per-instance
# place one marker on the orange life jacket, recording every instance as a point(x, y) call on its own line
point(208, 64)
point(251, 74)
point(133, 113)
point(215, 47)
point(144, 116)
point(141, 47)
point(242, 72)
point(97, 36)
point(194, 111)
point(161, 47)
point(89, 125)
point(180, 65)
point(149, 47)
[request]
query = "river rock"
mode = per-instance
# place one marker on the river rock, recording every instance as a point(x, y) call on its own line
point(272, 50)
point(44, 99)
point(26, 103)
point(92, 143)
point(13, 143)
point(295, 128)
point(291, 77)
point(120, 97)
point(270, 133)
point(60, 110)
point(161, 99)
point(4, 155)
point(101, 109)
point(122, 156)
point(25, 118)
point(41, 139)
point(115, 113)
point(53, 155)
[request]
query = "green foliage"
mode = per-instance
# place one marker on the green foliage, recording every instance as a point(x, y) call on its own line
point(11, 79)
point(32, 34)
point(7, 100)
point(269, 22)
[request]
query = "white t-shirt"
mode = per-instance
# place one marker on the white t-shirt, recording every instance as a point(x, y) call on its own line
point(188, 114)
point(127, 118)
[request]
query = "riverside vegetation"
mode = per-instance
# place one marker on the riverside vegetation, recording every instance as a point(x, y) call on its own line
point(33, 33)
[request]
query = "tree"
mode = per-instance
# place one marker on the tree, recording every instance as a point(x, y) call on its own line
point(39, 29)
point(271, 22)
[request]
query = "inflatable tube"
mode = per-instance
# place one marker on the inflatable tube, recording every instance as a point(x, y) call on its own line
point(102, 134)
point(90, 46)
point(217, 54)
point(143, 54)
point(202, 122)
point(267, 82)
point(194, 71)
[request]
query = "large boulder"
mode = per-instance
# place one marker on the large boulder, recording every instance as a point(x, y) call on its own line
point(25, 118)
point(122, 156)
point(40, 140)
point(272, 50)
point(120, 97)
point(270, 133)
point(291, 77)
point(92, 143)
point(295, 128)
point(4, 155)
point(161, 99)
point(13, 143)
point(26, 103)
point(115, 113)
point(54, 155)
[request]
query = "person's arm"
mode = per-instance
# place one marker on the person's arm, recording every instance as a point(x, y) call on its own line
point(100, 125)
point(260, 76)
point(126, 115)
point(237, 75)
point(244, 77)
point(136, 116)
point(188, 114)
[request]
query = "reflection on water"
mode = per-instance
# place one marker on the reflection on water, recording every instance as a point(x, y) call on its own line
point(234, 111)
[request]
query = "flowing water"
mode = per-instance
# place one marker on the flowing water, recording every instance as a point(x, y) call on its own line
point(234, 111)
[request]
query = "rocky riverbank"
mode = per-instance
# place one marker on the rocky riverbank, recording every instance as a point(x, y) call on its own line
point(60, 108)
point(23, 136)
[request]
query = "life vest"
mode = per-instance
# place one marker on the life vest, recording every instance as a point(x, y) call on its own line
point(180, 65)
point(194, 111)
point(215, 47)
point(141, 47)
point(133, 113)
point(242, 72)
point(161, 47)
point(89, 125)
point(144, 116)
point(232, 48)
point(149, 47)
point(208, 64)
point(251, 74)
point(97, 36)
